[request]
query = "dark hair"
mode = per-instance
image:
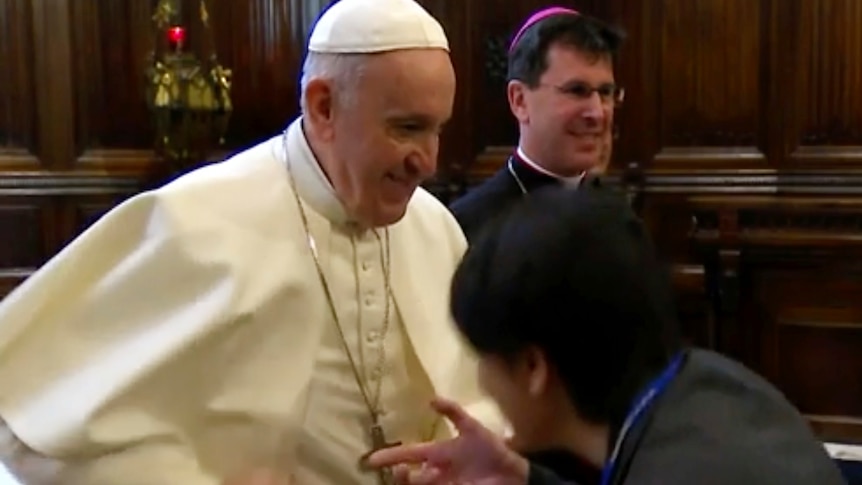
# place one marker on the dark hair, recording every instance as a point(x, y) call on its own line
point(528, 58)
point(572, 272)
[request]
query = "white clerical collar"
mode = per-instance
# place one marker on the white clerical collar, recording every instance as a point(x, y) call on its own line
point(576, 180)
point(311, 183)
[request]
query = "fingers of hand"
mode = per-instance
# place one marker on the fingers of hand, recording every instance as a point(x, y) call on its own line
point(401, 474)
point(456, 414)
point(407, 454)
point(422, 475)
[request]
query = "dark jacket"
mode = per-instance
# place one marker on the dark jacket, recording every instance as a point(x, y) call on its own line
point(496, 194)
point(718, 423)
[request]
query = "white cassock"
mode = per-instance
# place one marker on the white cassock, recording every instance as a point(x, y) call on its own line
point(186, 336)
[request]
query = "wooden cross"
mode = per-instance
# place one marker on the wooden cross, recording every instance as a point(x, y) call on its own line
point(378, 442)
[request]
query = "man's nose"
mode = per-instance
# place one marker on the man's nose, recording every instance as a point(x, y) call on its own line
point(594, 108)
point(422, 162)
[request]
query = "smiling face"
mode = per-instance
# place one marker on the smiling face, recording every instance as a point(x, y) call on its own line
point(565, 126)
point(381, 142)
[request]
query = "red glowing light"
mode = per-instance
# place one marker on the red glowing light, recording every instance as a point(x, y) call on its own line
point(176, 37)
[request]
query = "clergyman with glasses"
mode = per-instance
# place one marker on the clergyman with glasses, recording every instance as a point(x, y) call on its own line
point(563, 93)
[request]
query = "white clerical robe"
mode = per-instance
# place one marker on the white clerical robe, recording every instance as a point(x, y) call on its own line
point(186, 337)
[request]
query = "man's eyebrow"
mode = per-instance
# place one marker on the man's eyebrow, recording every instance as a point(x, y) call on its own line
point(579, 81)
point(411, 118)
point(419, 121)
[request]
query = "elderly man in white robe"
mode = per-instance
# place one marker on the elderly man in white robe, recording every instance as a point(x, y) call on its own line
point(279, 314)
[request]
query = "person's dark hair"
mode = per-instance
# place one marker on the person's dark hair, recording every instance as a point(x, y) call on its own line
point(528, 58)
point(574, 273)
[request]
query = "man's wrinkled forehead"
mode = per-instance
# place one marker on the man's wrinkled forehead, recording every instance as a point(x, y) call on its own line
point(417, 84)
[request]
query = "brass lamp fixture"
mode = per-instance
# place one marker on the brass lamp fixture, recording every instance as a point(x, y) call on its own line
point(187, 90)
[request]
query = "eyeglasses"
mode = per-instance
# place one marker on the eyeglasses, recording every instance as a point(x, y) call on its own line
point(609, 94)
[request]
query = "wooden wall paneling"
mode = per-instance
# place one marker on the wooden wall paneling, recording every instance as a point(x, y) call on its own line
point(43, 118)
point(18, 130)
point(456, 150)
point(698, 87)
point(635, 64)
point(110, 45)
point(671, 220)
point(53, 82)
point(697, 319)
point(79, 209)
point(744, 116)
point(263, 42)
point(813, 324)
point(821, 44)
point(25, 244)
point(741, 90)
point(40, 214)
point(799, 318)
point(26, 234)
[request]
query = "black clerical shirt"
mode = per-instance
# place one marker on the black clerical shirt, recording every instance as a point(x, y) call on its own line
point(496, 194)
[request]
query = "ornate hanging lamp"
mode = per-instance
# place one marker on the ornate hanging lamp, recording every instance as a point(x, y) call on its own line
point(187, 89)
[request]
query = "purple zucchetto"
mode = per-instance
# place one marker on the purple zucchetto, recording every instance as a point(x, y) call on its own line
point(536, 17)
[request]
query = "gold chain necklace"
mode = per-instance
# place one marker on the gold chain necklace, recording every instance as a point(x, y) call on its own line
point(376, 431)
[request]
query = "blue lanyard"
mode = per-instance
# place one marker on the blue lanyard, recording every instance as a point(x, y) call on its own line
point(642, 403)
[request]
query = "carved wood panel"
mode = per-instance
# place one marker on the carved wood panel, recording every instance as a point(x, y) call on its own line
point(708, 88)
point(261, 41)
point(785, 274)
point(27, 247)
point(698, 84)
point(822, 45)
point(110, 44)
point(811, 342)
point(457, 20)
point(25, 244)
point(17, 103)
point(75, 135)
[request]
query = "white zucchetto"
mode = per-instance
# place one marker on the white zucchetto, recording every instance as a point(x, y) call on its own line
point(373, 26)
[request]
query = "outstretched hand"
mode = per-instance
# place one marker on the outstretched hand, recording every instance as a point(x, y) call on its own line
point(476, 456)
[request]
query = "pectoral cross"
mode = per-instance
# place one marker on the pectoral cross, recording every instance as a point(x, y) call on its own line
point(378, 442)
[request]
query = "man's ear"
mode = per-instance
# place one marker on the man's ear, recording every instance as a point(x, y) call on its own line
point(538, 371)
point(516, 92)
point(319, 107)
